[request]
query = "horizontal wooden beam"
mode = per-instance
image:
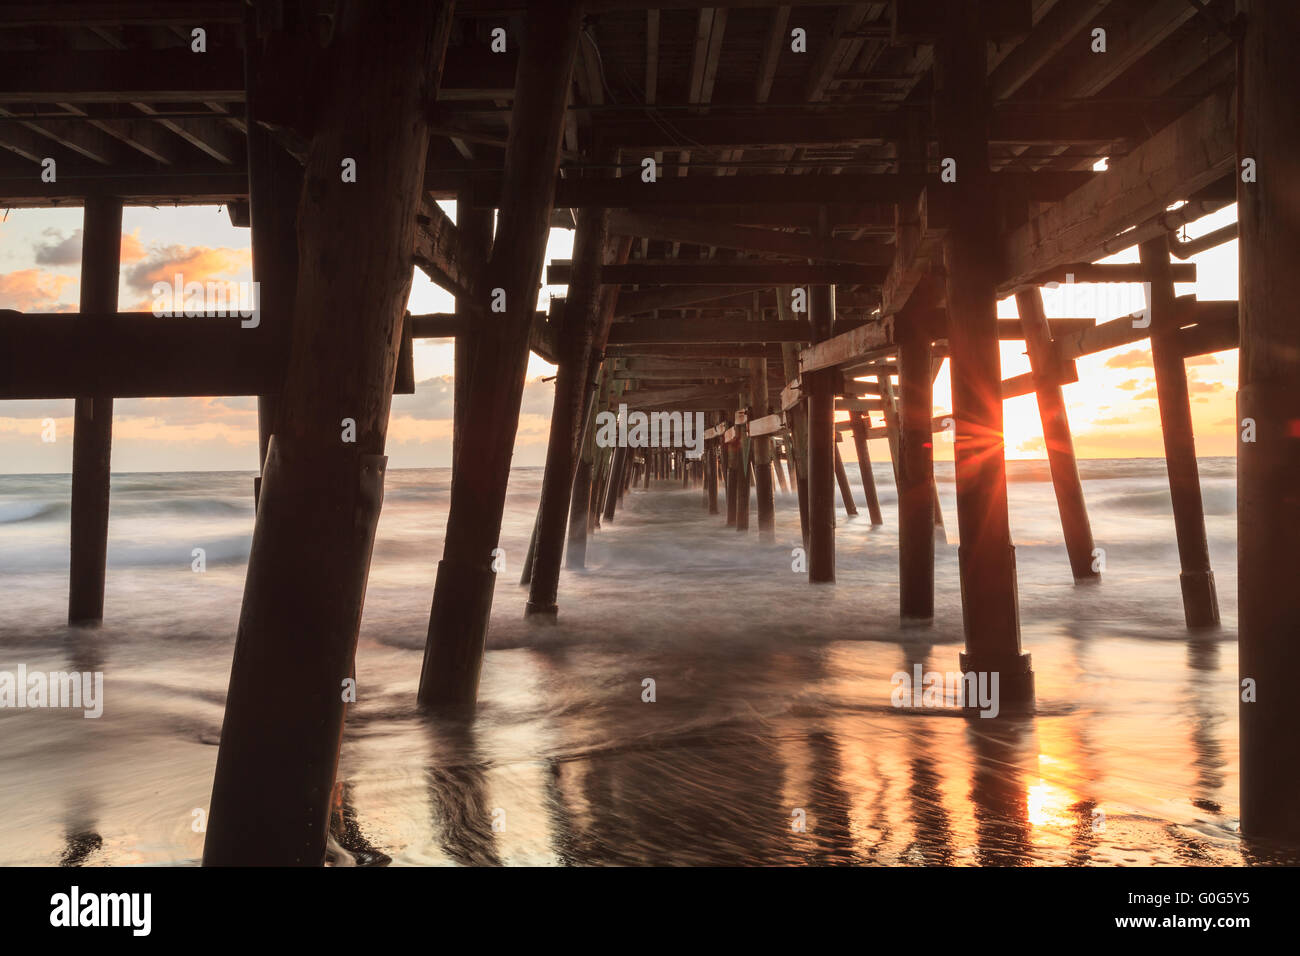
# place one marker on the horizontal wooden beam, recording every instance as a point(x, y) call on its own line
point(122, 76)
point(135, 355)
point(195, 186)
point(707, 233)
point(767, 425)
point(443, 325)
point(847, 346)
point(702, 396)
point(105, 13)
point(688, 331)
point(752, 274)
point(652, 300)
point(1080, 272)
point(629, 191)
point(442, 256)
point(1216, 329)
point(1187, 155)
point(859, 404)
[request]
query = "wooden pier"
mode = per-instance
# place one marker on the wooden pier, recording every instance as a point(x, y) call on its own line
point(788, 216)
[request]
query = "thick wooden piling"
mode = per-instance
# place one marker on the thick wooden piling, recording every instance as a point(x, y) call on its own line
point(1268, 503)
point(1056, 435)
point(842, 479)
point(731, 471)
point(915, 467)
point(761, 450)
point(579, 328)
point(711, 476)
point(462, 600)
point(475, 229)
point(743, 466)
point(859, 431)
point(321, 494)
point(92, 429)
point(821, 446)
point(986, 556)
point(615, 484)
point(1200, 602)
point(274, 188)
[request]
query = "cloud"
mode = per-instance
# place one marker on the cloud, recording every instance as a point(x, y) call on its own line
point(34, 290)
point(1138, 358)
point(1149, 393)
point(1203, 388)
point(132, 248)
point(1035, 443)
point(192, 263)
point(434, 400)
point(1133, 384)
point(1114, 420)
point(58, 249)
point(1207, 359)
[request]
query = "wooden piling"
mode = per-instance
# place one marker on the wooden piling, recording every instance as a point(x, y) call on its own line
point(615, 483)
point(779, 469)
point(1200, 602)
point(821, 446)
point(92, 429)
point(859, 430)
point(578, 330)
point(321, 494)
point(1056, 436)
point(986, 556)
point(743, 465)
point(462, 598)
point(842, 479)
point(1268, 398)
point(915, 468)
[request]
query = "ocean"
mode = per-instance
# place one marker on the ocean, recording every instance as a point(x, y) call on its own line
point(771, 739)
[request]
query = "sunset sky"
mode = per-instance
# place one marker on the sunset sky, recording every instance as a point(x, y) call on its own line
point(1112, 408)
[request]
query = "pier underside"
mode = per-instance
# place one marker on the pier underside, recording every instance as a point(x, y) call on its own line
point(788, 218)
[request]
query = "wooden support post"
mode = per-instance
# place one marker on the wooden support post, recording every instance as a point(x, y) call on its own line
point(842, 479)
point(475, 229)
point(1056, 435)
point(986, 556)
point(1268, 456)
point(890, 411)
point(732, 472)
point(274, 188)
point(92, 429)
point(859, 429)
point(615, 483)
point(780, 473)
point(743, 465)
point(1200, 603)
point(580, 319)
point(323, 481)
point(761, 449)
point(821, 446)
point(936, 366)
point(462, 600)
point(575, 552)
point(915, 468)
point(711, 476)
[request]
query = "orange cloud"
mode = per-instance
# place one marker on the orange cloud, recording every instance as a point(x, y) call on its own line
point(1138, 358)
point(132, 248)
point(192, 263)
point(34, 290)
